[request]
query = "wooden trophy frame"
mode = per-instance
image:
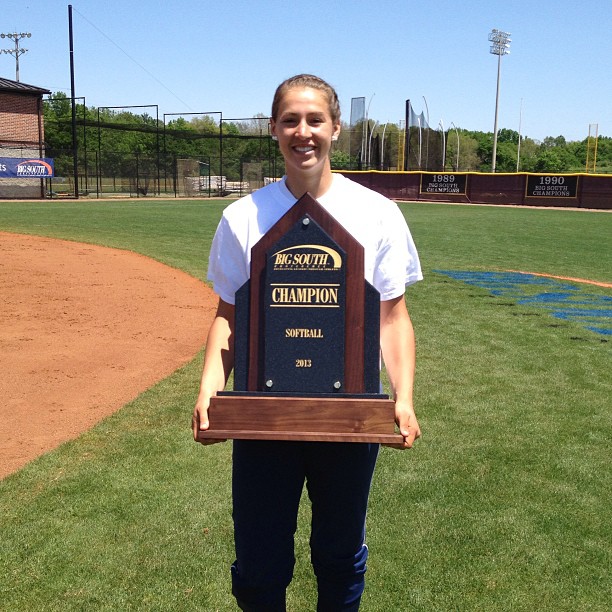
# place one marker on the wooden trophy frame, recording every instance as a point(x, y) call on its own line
point(349, 409)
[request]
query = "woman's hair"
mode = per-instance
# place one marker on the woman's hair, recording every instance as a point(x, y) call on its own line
point(312, 82)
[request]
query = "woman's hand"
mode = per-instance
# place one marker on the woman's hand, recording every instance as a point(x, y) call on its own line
point(218, 363)
point(406, 420)
point(199, 421)
point(399, 354)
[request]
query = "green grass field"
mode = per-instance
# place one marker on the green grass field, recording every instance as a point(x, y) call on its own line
point(503, 505)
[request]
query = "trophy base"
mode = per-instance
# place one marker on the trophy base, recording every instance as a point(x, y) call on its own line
point(306, 419)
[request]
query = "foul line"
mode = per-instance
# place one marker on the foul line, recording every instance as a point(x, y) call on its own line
point(567, 278)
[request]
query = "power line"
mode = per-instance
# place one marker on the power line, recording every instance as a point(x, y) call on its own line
point(132, 59)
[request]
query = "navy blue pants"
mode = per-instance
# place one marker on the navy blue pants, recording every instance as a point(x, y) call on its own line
point(268, 478)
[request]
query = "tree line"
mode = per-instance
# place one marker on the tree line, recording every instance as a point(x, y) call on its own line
point(468, 151)
point(116, 142)
point(113, 140)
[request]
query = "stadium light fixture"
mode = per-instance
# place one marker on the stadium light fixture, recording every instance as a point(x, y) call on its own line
point(500, 46)
point(17, 51)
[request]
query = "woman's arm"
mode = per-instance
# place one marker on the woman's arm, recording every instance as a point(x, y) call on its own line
point(399, 355)
point(218, 363)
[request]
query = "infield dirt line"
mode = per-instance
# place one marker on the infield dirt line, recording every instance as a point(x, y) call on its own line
point(567, 278)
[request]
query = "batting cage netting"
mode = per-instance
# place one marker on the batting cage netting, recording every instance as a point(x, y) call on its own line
point(357, 133)
point(133, 150)
point(424, 146)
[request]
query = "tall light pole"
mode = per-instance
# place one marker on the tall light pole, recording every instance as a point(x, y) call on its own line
point(16, 37)
point(500, 46)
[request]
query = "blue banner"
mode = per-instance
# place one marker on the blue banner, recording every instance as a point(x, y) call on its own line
point(23, 167)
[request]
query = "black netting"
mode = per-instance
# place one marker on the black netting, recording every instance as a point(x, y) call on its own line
point(423, 144)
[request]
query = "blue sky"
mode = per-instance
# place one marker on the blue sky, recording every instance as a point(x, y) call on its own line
point(230, 55)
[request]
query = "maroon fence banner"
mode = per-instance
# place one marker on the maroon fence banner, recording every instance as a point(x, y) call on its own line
point(522, 189)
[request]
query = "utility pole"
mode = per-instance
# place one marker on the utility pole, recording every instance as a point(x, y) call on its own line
point(17, 51)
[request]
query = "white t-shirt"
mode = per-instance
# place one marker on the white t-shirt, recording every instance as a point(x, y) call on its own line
point(391, 258)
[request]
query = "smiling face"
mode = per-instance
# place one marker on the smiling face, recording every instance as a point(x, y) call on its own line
point(305, 129)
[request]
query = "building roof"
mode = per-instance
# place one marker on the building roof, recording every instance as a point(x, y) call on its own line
point(7, 85)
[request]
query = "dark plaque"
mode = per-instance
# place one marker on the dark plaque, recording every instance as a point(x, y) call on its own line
point(304, 306)
point(307, 340)
point(551, 186)
point(443, 182)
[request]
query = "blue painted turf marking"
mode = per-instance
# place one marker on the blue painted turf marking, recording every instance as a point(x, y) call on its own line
point(560, 299)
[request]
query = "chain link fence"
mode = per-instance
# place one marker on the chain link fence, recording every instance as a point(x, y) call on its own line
point(120, 154)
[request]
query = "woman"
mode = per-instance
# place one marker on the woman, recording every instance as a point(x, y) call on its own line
point(268, 476)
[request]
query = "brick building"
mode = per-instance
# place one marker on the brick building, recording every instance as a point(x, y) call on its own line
point(21, 134)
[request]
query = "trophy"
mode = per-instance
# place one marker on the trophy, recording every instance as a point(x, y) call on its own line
point(307, 340)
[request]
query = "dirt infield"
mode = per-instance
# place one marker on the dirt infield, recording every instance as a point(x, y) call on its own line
point(83, 330)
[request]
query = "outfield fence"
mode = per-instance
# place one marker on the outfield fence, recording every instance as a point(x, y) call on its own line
point(161, 173)
point(523, 189)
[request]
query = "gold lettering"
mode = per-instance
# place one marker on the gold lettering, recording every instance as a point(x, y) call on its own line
point(324, 296)
point(282, 259)
point(298, 332)
point(280, 295)
point(326, 258)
